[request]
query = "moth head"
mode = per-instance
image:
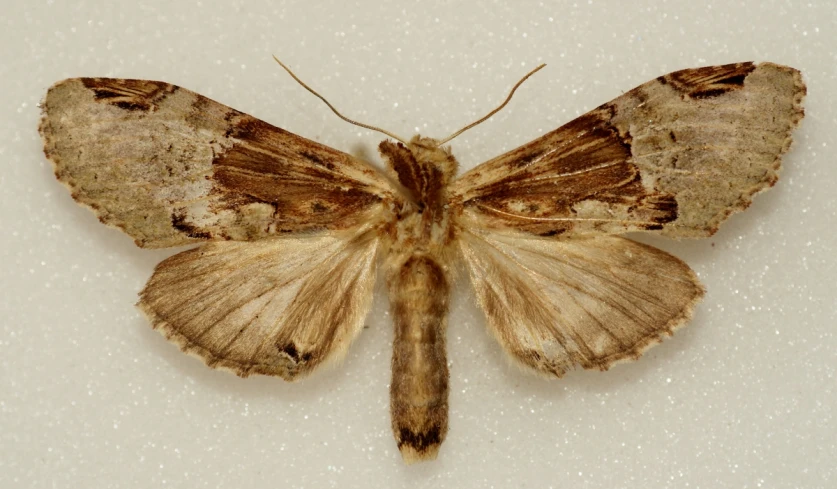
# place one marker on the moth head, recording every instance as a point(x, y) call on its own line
point(429, 151)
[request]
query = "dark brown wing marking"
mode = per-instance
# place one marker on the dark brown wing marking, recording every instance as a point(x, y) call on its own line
point(304, 183)
point(139, 95)
point(709, 81)
point(546, 186)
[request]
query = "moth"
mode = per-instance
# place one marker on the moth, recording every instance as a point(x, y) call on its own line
point(291, 233)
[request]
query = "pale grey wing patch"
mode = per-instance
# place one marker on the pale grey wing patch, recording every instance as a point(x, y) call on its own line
point(582, 301)
point(278, 306)
point(714, 149)
point(170, 167)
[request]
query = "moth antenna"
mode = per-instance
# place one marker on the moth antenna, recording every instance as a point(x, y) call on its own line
point(498, 109)
point(350, 121)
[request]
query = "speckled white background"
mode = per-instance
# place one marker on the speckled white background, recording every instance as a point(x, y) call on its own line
point(91, 397)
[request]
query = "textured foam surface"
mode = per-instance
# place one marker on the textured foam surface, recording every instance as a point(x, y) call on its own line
point(91, 396)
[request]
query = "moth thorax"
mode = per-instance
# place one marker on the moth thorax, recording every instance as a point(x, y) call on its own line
point(422, 167)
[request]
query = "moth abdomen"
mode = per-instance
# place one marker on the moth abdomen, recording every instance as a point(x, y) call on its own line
point(419, 290)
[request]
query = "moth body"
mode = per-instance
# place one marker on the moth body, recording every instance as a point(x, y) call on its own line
point(418, 243)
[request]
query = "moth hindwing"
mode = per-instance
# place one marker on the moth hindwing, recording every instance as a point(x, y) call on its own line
point(290, 232)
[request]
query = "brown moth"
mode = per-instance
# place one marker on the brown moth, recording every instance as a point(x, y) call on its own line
point(291, 232)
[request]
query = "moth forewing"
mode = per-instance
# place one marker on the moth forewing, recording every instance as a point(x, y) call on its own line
point(293, 231)
point(676, 155)
point(171, 167)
